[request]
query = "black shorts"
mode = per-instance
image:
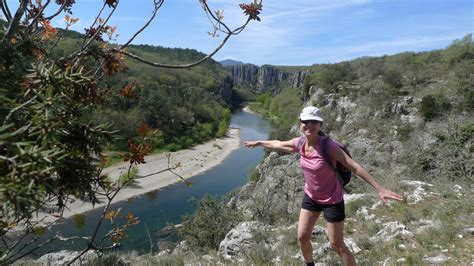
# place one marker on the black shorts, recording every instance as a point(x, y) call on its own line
point(333, 213)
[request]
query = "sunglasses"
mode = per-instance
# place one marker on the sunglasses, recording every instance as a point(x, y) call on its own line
point(309, 121)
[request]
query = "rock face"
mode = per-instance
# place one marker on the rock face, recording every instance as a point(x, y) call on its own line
point(243, 73)
point(243, 238)
point(296, 80)
point(268, 75)
point(63, 257)
point(265, 78)
point(277, 194)
point(225, 89)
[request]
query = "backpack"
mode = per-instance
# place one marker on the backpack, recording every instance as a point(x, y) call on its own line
point(344, 175)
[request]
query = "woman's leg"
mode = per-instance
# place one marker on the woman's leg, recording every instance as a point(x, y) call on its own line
point(336, 239)
point(305, 230)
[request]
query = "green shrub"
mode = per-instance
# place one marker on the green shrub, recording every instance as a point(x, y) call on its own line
point(127, 178)
point(450, 158)
point(393, 77)
point(466, 132)
point(352, 207)
point(465, 84)
point(432, 106)
point(173, 147)
point(167, 260)
point(332, 75)
point(459, 50)
point(264, 99)
point(254, 175)
point(404, 131)
point(222, 128)
point(285, 107)
point(260, 255)
point(240, 95)
point(207, 227)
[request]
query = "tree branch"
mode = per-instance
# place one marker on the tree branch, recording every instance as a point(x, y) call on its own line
point(9, 159)
point(18, 108)
point(5, 10)
point(40, 13)
point(61, 8)
point(211, 15)
point(93, 23)
point(155, 11)
point(138, 58)
point(15, 22)
point(36, 248)
point(79, 53)
point(181, 66)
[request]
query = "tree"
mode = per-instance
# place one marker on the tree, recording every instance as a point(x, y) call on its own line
point(50, 149)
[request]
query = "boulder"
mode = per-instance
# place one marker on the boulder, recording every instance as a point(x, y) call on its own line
point(419, 193)
point(277, 195)
point(423, 225)
point(436, 260)
point(391, 230)
point(65, 256)
point(181, 248)
point(352, 245)
point(242, 238)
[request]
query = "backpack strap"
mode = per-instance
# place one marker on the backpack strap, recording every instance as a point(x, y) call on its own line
point(325, 153)
point(327, 159)
point(299, 147)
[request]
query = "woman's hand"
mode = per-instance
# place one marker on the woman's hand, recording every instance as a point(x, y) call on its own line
point(252, 144)
point(386, 195)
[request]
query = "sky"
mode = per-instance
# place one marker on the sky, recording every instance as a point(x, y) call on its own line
point(294, 32)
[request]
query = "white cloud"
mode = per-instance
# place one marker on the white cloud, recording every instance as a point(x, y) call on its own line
point(408, 43)
point(283, 26)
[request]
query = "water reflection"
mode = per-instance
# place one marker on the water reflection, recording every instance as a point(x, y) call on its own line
point(79, 220)
point(152, 194)
point(39, 230)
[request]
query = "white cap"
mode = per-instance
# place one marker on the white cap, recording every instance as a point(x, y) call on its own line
point(311, 113)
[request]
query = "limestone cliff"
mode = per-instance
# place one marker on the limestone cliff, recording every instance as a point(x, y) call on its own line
point(266, 78)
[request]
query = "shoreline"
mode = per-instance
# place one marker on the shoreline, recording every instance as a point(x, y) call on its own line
point(248, 110)
point(193, 161)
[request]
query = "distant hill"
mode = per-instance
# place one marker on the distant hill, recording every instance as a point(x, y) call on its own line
point(162, 95)
point(230, 62)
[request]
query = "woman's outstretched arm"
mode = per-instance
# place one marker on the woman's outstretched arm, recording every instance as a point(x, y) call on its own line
point(284, 146)
point(357, 169)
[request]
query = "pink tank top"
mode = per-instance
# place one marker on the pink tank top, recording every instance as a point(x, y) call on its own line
point(321, 183)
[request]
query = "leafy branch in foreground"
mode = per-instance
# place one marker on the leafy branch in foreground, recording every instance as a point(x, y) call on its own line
point(50, 148)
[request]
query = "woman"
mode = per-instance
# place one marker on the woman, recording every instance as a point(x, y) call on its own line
point(322, 190)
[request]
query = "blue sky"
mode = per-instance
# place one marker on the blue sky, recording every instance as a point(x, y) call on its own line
point(296, 32)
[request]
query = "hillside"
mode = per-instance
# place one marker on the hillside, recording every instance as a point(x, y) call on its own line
point(194, 102)
point(230, 62)
point(408, 118)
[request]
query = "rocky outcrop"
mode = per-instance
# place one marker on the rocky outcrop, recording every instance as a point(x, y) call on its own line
point(243, 73)
point(265, 78)
point(420, 192)
point(390, 230)
point(296, 80)
point(436, 260)
point(63, 257)
point(243, 238)
point(277, 194)
point(225, 89)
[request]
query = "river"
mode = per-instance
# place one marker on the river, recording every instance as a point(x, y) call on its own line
point(167, 205)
